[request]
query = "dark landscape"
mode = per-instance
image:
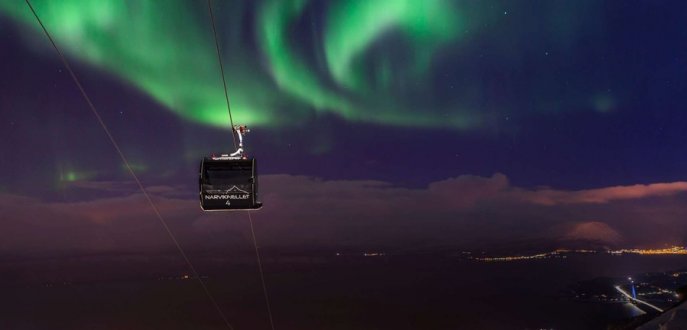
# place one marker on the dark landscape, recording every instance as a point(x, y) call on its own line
point(314, 291)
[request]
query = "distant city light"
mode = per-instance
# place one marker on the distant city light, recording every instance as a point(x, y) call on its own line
point(670, 250)
point(675, 250)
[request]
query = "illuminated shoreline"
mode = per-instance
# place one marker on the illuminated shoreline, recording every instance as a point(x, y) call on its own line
point(672, 250)
point(675, 250)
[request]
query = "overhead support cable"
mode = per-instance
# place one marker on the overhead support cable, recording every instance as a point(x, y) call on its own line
point(231, 123)
point(130, 169)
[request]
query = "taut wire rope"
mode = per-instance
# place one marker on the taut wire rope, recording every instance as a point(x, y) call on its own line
point(129, 168)
point(231, 122)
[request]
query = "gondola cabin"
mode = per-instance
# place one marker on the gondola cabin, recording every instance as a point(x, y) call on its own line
point(228, 183)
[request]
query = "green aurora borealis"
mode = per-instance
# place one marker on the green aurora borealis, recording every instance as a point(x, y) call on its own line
point(165, 49)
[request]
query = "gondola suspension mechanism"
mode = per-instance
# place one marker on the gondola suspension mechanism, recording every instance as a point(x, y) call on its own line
point(229, 181)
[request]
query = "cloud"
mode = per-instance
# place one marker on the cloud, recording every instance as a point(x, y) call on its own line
point(124, 187)
point(105, 224)
point(465, 211)
point(603, 195)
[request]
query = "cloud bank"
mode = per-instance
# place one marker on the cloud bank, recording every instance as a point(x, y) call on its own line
point(465, 211)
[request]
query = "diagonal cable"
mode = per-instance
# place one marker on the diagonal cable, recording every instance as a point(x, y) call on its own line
point(128, 166)
point(262, 275)
point(221, 69)
point(231, 122)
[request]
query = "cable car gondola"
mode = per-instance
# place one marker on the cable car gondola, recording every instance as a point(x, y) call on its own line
point(229, 181)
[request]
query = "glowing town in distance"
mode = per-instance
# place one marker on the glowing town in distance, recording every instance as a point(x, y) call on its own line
point(560, 253)
point(674, 250)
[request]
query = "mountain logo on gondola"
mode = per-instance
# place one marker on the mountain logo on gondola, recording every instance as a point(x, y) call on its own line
point(235, 190)
point(231, 193)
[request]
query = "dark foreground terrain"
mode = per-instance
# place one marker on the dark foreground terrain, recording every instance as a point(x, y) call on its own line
point(311, 291)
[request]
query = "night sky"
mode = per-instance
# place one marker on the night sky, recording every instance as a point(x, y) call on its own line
point(375, 123)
